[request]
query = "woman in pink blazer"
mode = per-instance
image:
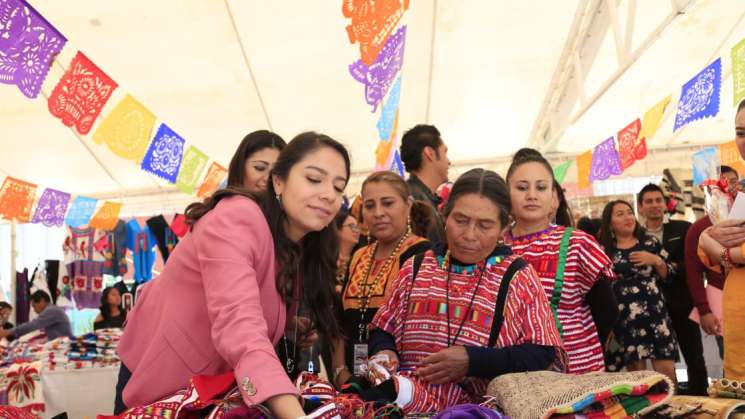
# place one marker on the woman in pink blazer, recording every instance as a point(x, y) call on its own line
point(223, 298)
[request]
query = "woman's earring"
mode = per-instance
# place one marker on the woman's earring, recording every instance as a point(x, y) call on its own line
point(408, 224)
point(279, 198)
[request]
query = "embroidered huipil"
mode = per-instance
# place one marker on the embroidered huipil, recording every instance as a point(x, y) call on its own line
point(416, 315)
point(82, 280)
point(585, 264)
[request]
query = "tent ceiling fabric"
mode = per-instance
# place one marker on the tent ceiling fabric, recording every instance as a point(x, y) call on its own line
point(492, 66)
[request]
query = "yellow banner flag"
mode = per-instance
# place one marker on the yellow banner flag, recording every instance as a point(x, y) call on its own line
point(653, 118)
point(729, 155)
point(127, 130)
point(107, 216)
point(584, 164)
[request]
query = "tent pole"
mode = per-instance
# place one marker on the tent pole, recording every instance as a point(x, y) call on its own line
point(248, 65)
point(431, 59)
point(13, 255)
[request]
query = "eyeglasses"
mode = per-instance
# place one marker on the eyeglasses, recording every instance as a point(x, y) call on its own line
point(354, 227)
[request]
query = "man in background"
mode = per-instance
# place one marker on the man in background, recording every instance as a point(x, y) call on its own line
point(5, 312)
point(425, 157)
point(672, 234)
point(52, 319)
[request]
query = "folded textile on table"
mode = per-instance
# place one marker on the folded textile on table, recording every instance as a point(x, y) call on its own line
point(548, 394)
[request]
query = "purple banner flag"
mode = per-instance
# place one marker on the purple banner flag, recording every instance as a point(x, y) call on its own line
point(51, 208)
point(605, 161)
point(379, 76)
point(28, 44)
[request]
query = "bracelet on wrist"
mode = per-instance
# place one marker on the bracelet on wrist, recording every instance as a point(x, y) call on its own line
point(726, 258)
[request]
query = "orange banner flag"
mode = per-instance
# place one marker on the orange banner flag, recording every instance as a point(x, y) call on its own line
point(215, 175)
point(729, 155)
point(16, 199)
point(584, 164)
point(107, 216)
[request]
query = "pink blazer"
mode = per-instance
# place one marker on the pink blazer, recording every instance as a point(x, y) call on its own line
point(214, 309)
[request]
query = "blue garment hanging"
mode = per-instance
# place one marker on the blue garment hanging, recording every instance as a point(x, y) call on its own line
point(141, 242)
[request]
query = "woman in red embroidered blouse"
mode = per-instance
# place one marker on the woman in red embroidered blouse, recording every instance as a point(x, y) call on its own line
point(539, 242)
point(444, 325)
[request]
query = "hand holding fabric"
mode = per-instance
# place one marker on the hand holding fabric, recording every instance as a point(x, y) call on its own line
point(447, 366)
point(381, 366)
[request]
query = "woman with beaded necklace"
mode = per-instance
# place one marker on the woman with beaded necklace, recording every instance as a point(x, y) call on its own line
point(463, 313)
point(395, 222)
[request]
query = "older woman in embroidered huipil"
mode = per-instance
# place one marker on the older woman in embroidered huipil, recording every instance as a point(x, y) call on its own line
point(445, 326)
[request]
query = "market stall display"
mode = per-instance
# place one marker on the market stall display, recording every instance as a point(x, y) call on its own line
point(47, 378)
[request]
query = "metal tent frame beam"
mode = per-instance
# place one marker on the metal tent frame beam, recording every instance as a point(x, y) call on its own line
point(592, 20)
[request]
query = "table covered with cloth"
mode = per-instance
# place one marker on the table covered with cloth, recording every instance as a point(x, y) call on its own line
point(46, 378)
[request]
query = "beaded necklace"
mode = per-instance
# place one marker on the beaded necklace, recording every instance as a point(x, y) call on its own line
point(366, 288)
point(446, 265)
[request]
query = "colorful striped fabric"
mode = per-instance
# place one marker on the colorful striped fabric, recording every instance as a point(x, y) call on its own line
point(545, 394)
point(585, 263)
point(415, 314)
point(619, 402)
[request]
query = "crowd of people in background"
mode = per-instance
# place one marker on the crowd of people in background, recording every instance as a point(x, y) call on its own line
point(420, 291)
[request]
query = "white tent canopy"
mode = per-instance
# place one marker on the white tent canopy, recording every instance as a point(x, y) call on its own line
point(492, 75)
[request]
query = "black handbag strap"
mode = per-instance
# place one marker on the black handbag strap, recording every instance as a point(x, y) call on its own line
point(504, 286)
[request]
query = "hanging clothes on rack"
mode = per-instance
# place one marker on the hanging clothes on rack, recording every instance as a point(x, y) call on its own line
point(179, 226)
point(128, 293)
point(166, 238)
point(52, 268)
point(23, 297)
point(82, 282)
point(141, 242)
point(39, 280)
point(115, 250)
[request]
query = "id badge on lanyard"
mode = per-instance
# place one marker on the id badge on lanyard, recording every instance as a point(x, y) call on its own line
point(360, 358)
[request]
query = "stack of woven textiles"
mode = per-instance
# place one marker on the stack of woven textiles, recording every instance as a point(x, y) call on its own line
point(87, 351)
point(54, 356)
point(83, 352)
point(27, 348)
point(107, 341)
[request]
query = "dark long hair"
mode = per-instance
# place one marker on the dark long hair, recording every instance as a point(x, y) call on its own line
point(485, 183)
point(420, 213)
point(606, 237)
point(563, 212)
point(253, 142)
point(313, 260)
point(105, 307)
